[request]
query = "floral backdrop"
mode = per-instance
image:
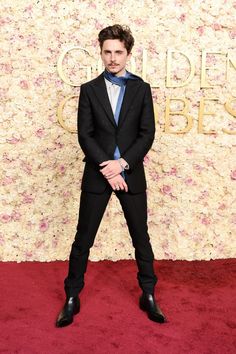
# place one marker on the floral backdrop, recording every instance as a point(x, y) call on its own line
point(191, 177)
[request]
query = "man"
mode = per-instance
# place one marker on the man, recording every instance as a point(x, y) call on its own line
point(115, 130)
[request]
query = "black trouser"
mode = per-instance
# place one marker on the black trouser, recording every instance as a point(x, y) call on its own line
point(92, 207)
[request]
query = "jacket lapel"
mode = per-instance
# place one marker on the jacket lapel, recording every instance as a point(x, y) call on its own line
point(102, 95)
point(130, 93)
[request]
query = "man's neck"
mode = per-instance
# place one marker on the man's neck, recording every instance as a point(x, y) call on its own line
point(123, 73)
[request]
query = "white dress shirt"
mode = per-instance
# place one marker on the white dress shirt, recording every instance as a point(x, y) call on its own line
point(113, 91)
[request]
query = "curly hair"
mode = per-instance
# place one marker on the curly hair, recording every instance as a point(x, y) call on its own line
point(123, 33)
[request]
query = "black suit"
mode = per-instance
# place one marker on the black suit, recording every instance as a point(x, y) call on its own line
point(98, 136)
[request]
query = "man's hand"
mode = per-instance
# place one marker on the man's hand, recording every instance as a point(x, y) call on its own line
point(118, 183)
point(112, 168)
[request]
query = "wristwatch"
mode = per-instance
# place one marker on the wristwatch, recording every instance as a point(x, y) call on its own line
point(124, 164)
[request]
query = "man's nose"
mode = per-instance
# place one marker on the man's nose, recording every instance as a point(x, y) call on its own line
point(112, 56)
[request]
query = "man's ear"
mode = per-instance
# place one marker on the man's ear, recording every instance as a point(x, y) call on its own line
point(129, 56)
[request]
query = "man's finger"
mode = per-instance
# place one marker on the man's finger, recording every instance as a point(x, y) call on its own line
point(105, 169)
point(126, 187)
point(104, 163)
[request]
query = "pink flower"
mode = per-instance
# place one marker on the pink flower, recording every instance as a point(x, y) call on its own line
point(62, 168)
point(27, 198)
point(54, 243)
point(4, 218)
point(26, 167)
point(204, 194)
point(13, 140)
point(44, 225)
point(140, 21)
point(15, 215)
point(92, 4)
point(232, 33)
point(29, 114)
point(154, 176)
point(58, 144)
point(7, 180)
point(216, 26)
point(209, 163)
point(188, 151)
point(56, 34)
point(24, 84)
point(183, 233)
point(166, 189)
point(31, 41)
point(7, 68)
point(40, 132)
point(150, 212)
point(66, 194)
point(222, 206)
point(98, 25)
point(29, 8)
point(146, 160)
point(28, 255)
point(172, 172)
point(29, 224)
point(111, 2)
point(65, 220)
point(211, 59)
point(200, 30)
point(233, 175)
point(39, 243)
point(188, 181)
point(39, 80)
point(166, 220)
point(55, 8)
point(205, 220)
point(5, 20)
point(182, 18)
point(198, 167)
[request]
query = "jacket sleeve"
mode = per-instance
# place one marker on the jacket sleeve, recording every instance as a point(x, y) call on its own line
point(85, 126)
point(143, 143)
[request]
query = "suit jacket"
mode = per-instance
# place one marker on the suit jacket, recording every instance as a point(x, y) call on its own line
point(98, 133)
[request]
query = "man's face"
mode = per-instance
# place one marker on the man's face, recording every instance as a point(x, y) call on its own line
point(114, 56)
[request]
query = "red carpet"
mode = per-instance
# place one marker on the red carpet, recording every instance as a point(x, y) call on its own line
point(199, 299)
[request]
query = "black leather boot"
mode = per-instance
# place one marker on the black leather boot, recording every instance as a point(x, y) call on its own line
point(148, 303)
point(70, 308)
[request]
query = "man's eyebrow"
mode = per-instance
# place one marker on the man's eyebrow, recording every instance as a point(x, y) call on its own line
point(116, 51)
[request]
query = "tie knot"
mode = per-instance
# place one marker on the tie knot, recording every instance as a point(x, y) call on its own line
point(117, 80)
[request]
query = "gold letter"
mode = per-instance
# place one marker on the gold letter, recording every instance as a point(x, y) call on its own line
point(182, 113)
point(230, 110)
point(60, 118)
point(169, 62)
point(229, 60)
point(60, 70)
point(156, 112)
point(204, 68)
point(202, 113)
